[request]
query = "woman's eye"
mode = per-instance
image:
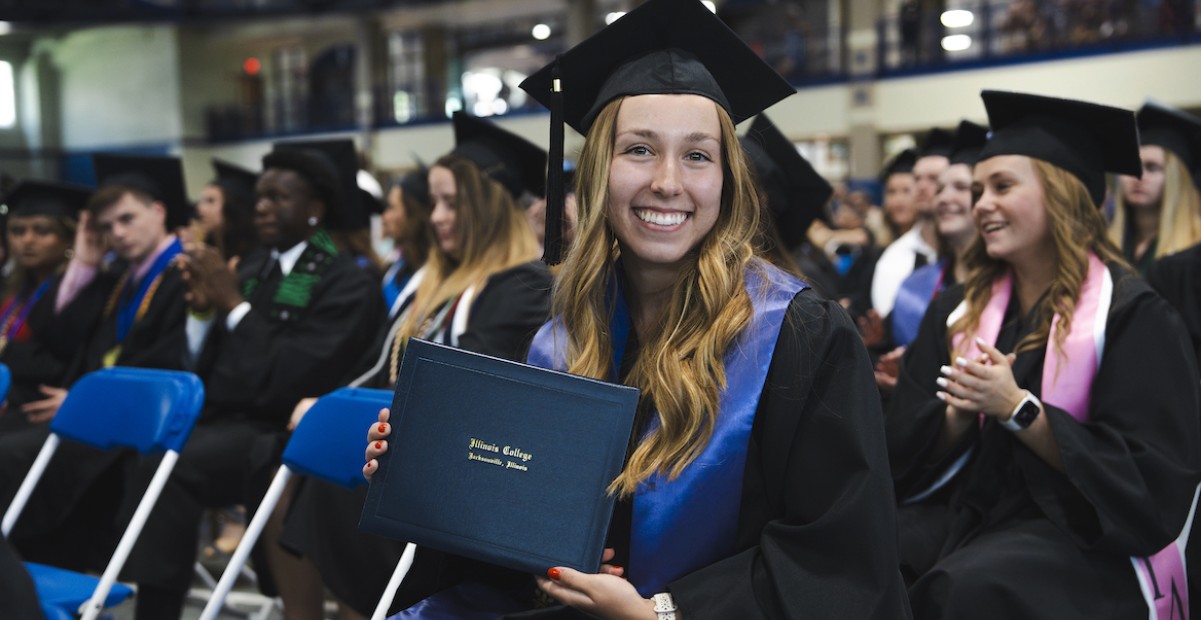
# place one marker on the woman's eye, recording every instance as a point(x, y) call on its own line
point(638, 150)
point(698, 156)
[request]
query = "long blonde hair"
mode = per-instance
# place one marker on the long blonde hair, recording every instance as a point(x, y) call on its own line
point(492, 234)
point(681, 369)
point(1179, 211)
point(1076, 228)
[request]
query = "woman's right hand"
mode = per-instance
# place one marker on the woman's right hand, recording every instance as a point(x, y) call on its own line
point(89, 242)
point(377, 443)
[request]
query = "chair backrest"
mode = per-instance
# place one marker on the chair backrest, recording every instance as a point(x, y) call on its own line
point(328, 443)
point(155, 411)
point(6, 381)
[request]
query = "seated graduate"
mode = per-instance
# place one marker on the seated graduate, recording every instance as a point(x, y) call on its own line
point(483, 289)
point(956, 232)
point(225, 211)
point(406, 222)
point(289, 324)
point(1159, 214)
point(36, 346)
point(757, 487)
point(1044, 431)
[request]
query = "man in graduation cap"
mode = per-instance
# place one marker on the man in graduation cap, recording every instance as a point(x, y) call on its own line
point(290, 324)
point(919, 246)
point(130, 219)
point(121, 286)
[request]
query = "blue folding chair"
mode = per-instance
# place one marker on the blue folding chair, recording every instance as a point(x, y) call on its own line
point(143, 409)
point(6, 381)
point(327, 444)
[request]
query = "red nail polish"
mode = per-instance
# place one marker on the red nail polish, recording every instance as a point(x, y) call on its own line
point(379, 445)
point(553, 573)
point(616, 568)
point(383, 427)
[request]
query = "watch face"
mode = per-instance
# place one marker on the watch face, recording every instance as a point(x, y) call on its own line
point(1026, 415)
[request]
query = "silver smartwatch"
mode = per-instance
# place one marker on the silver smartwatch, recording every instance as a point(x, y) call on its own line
point(1024, 414)
point(665, 606)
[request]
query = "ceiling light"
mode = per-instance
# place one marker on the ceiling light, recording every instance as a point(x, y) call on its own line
point(957, 18)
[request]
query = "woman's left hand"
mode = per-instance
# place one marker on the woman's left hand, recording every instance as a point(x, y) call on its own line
point(604, 595)
point(985, 385)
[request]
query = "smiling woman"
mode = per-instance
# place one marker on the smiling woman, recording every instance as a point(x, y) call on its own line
point(1019, 402)
point(738, 363)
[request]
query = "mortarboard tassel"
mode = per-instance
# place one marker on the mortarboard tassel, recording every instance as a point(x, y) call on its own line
point(553, 240)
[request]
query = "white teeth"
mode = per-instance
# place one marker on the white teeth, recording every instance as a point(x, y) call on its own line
point(662, 219)
point(992, 226)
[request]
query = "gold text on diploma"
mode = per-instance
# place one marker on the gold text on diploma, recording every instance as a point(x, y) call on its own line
point(509, 451)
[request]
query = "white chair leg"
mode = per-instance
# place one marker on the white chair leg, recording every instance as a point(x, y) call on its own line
point(402, 569)
point(91, 609)
point(253, 530)
point(28, 484)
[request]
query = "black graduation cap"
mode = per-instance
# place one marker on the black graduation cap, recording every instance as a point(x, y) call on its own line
point(660, 47)
point(1085, 139)
point(417, 184)
point(969, 139)
point(236, 182)
point(938, 142)
point(331, 166)
point(161, 178)
point(53, 198)
point(902, 163)
point(516, 163)
point(1174, 130)
point(796, 193)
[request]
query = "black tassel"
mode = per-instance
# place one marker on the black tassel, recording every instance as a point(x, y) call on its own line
point(552, 252)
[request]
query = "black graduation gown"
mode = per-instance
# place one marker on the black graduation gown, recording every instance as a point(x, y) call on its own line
point(59, 526)
point(1177, 278)
point(18, 599)
point(55, 340)
point(254, 376)
point(322, 522)
point(1011, 537)
point(816, 531)
point(157, 340)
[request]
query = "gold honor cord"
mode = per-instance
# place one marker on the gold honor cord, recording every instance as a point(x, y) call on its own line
point(428, 328)
point(110, 357)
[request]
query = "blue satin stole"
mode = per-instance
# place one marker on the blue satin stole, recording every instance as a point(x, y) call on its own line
point(684, 524)
point(678, 525)
point(131, 297)
point(912, 300)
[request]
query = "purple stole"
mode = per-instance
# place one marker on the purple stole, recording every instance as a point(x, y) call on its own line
point(1067, 384)
point(685, 524)
point(912, 300)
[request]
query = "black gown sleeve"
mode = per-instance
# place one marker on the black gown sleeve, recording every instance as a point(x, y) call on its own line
point(1177, 278)
point(817, 526)
point(263, 367)
point(509, 311)
point(1132, 469)
point(915, 416)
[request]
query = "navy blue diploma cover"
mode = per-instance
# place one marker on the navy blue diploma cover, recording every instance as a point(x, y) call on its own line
point(499, 461)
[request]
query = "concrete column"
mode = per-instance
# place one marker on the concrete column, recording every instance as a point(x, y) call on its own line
point(863, 140)
point(582, 20)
